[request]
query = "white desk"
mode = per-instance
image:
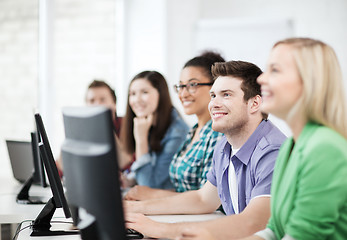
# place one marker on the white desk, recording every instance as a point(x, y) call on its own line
point(25, 234)
point(14, 213)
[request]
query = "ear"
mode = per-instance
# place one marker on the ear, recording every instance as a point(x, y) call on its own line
point(254, 104)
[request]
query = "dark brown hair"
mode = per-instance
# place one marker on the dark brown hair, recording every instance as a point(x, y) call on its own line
point(205, 62)
point(163, 113)
point(246, 71)
point(99, 83)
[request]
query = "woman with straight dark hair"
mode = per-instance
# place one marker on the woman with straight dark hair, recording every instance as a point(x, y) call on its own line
point(152, 129)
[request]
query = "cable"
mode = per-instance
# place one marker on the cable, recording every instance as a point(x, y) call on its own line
point(19, 229)
point(61, 222)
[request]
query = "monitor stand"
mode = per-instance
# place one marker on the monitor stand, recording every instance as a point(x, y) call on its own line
point(42, 223)
point(23, 195)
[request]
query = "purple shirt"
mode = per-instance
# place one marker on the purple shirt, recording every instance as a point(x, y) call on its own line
point(253, 163)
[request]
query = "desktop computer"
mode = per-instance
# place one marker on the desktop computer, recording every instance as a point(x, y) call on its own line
point(91, 174)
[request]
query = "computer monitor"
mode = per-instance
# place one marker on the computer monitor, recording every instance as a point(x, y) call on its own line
point(91, 172)
point(39, 170)
point(37, 176)
point(41, 225)
point(21, 159)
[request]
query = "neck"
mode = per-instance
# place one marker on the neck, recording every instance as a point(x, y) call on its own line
point(238, 137)
point(203, 119)
point(297, 126)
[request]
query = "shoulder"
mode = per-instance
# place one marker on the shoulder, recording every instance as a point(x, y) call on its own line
point(273, 135)
point(316, 137)
point(271, 138)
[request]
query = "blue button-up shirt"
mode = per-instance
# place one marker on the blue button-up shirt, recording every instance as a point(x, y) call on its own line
point(253, 163)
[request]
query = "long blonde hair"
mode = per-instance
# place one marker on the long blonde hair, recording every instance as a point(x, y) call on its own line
point(323, 98)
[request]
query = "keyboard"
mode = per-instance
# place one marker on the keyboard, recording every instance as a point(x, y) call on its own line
point(132, 234)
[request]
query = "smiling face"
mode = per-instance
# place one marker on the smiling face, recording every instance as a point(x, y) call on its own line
point(281, 85)
point(197, 102)
point(228, 109)
point(143, 97)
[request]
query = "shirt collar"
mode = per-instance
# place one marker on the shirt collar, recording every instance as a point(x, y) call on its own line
point(245, 152)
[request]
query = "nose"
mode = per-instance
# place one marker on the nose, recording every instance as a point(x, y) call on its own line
point(214, 102)
point(184, 92)
point(261, 78)
point(136, 97)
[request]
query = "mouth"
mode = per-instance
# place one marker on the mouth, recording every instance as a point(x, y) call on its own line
point(139, 109)
point(265, 93)
point(217, 115)
point(186, 103)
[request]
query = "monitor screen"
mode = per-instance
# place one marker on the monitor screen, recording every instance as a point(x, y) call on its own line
point(21, 159)
point(25, 158)
point(39, 171)
point(91, 172)
point(41, 225)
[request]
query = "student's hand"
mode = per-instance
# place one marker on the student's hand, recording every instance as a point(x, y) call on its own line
point(145, 225)
point(131, 207)
point(195, 233)
point(127, 182)
point(142, 126)
point(138, 193)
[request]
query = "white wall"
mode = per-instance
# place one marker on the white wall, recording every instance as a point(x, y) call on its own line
point(83, 49)
point(321, 19)
point(145, 41)
point(158, 34)
point(18, 71)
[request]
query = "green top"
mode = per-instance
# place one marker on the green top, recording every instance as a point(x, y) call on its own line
point(309, 189)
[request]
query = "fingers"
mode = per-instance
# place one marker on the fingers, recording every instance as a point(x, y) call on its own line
point(137, 193)
point(130, 196)
point(131, 217)
point(147, 120)
point(195, 233)
point(142, 126)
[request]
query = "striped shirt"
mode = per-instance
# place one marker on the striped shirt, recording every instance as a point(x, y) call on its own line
point(189, 167)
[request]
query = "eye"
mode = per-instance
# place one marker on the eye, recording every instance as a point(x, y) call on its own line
point(274, 70)
point(192, 84)
point(226, 94)
point(212, 95)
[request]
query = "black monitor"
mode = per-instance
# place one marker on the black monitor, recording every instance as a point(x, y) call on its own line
point(41, 225)
point(37, 177)
point(91, 173)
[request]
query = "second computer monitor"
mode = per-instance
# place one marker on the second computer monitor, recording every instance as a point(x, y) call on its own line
point(91, 172)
